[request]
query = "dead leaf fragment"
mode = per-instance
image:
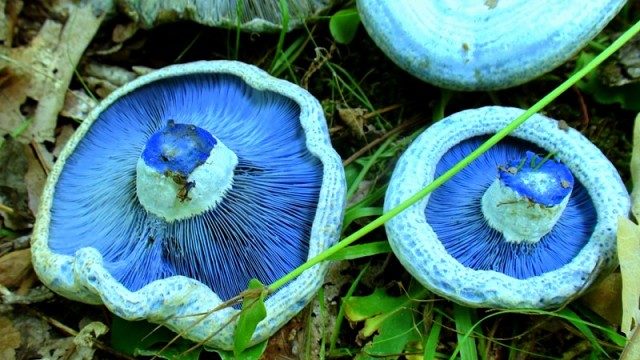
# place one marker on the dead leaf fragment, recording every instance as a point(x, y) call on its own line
point(79, 347)
point(39, 74)
point(15, 267)
point(635, 169)
point(65, 134)
point(13, 192)
point(629, 257)
point(77, 105)
point(354, 118)
point(34, 178)
point(604, 298)
point(10, 339)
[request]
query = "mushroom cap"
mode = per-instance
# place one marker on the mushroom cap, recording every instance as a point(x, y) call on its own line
point(483, 45)
point(249, 15)
point(485, 282)
point(81, 265)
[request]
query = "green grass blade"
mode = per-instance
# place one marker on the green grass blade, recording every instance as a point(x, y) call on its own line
point(361, 250)
point(464, 331)
point(432, 341)
point(340, 316)
point(581, 325)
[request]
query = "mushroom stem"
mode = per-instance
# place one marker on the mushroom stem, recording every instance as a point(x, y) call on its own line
point(183, 172)
point(527, 198)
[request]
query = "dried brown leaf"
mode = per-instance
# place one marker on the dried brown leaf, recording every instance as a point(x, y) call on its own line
point(15, 267)
point(39, 74)
point(629, 257)
point(354, 118)
point(13, 192)
point(65, 134)
point(80, 347)
point(34, 179)
point(635, 169)
point(77, 105)
point(604, 298)
point(123, 32)
point(10, 339)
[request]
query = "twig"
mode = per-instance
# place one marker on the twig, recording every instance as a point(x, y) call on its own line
point(583, 107)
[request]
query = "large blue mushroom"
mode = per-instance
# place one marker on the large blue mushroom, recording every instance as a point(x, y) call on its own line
point(183, 185)
point(529, 224)
point(483, 45)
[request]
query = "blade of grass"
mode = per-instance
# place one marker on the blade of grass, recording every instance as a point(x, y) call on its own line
point(367, 166)
point(361, 250)
point(464, 326)
point(360, 212)
point(284, 10)
point(617, 44)
point(432, 341)
point(580, 324)
point(340, 316)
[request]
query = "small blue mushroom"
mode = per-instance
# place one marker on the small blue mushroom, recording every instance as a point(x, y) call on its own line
point(529, 224)
point(483, 45)
point(183, 185)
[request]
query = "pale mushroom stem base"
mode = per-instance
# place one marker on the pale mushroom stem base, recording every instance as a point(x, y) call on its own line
point(183, 172)
point(526, 200)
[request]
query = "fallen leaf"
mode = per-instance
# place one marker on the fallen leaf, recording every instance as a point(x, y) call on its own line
point(13, 192)
point(39, 74)
point(9, 11)
point(123, 32)
point(388, 319)
point(629, 257)
point(34, 179)
point(79, 347)
point(10, 339)
point(604, 298)
point(77, 105)
point(14, 267)
point(354, 118)
point(632, 350)
point(115, 75)
point(635, 169)
point(61, 140)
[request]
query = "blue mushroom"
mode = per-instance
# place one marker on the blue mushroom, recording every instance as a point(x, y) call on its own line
point(529, 224)
point(483, 45)
point(181, 187)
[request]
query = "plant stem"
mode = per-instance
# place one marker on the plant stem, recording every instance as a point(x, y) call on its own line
point(617, 44)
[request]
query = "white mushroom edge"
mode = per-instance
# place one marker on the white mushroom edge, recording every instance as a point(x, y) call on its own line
point(174, 301)
point(417, 246)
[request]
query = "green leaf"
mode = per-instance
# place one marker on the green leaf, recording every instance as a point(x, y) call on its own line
point(180, 350)
point(390, 318)
point(344, 24)
point(142, 338)
point(253, 353)
point(131, 336)
point(253, 311)
point(625, 95)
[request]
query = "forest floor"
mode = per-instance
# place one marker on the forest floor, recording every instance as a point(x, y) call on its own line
point(372, 107)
